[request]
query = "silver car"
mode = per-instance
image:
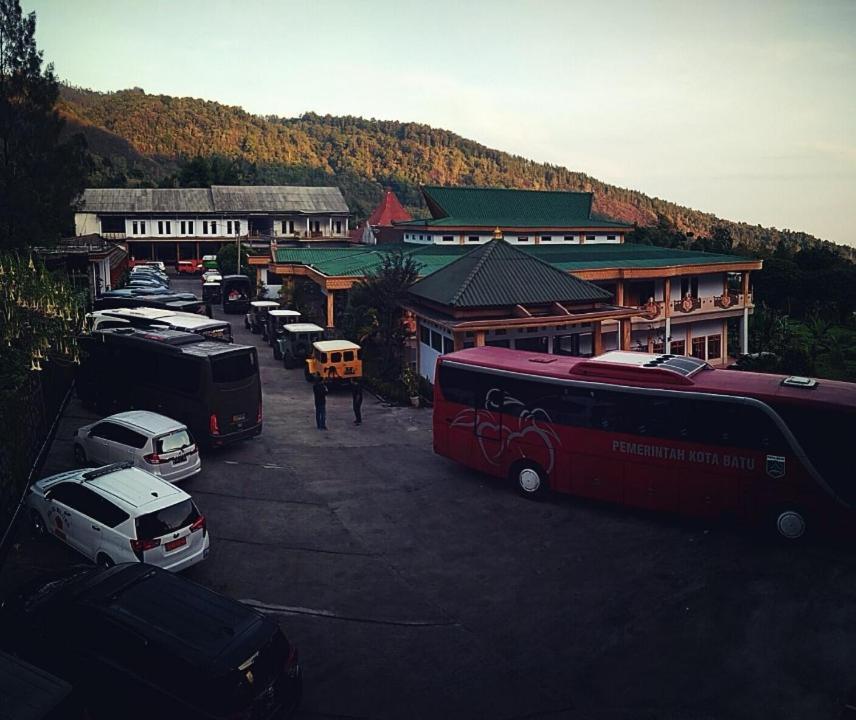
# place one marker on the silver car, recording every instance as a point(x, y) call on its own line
point(157, 444)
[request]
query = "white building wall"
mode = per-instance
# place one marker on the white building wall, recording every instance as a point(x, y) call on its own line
point(710, 285)
point(531, 238)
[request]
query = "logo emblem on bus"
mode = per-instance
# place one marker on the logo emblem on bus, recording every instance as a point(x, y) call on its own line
point(775, 466)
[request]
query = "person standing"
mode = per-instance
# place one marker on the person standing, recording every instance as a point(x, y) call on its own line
point(320, 392)
point(357, 395)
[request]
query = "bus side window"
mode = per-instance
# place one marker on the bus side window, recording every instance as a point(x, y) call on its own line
point(458, 386)
point(606, 412)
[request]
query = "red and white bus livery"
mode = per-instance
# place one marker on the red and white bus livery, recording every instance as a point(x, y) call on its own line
point(661, 432)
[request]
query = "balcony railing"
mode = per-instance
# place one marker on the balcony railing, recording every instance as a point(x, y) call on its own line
point(655, 309)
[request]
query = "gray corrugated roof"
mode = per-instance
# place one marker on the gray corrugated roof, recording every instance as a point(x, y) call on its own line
point(217, 199)
point(498, 274)
point(278, 198)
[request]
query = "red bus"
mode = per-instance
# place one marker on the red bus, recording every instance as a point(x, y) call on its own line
point(661, 432)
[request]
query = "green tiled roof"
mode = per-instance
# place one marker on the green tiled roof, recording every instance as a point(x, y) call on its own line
point(497, 274)
point(504, 207)
point(356, 261)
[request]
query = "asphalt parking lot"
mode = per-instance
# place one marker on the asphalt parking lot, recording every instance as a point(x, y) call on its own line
point(417, 589)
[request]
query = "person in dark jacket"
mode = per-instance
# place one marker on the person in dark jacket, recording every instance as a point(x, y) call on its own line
point(319, 389)
point(357, 395)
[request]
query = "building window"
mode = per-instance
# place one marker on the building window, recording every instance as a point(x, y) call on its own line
point(316, 226)
point(168, 227)
point(714, 347)
point(204, 227)
point(228, 227)
point(522, 238)
point(589, 237)
point(437, 341)
point(678, 347)
point(291, 226)
point(448, 345)
point(160, 227)
point(142, 227)
point(689, 286)
point(570, 238)
point(448, 238)
point(135, 228)
point(698, 348)
point(338, 227)
point(424, 335)
point(473, 238)
point(610, 237)
point(546, 238)
point(183, 228)
point(284, 227)
point(213, 227)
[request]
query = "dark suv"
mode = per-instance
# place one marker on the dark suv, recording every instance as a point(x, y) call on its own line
point(140, 642)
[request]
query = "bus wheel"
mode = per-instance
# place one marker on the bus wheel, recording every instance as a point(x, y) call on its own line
point(529, 480)
point(790, 524)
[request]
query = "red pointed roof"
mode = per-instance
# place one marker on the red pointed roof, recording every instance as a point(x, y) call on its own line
point(388, 211)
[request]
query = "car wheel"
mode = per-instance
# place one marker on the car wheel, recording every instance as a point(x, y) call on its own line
point(80, 455)
point(529, 479)
point(104, 561)
point(37, 524)
point(790, 523)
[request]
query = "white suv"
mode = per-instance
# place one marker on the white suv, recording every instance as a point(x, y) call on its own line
point(155, 443)
point(118, 513)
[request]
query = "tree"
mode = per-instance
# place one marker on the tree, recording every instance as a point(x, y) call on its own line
point(378, 298)
point(40, 177)
point(227, 261)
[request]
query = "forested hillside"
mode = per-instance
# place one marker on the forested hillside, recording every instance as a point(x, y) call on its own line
point(141, 139)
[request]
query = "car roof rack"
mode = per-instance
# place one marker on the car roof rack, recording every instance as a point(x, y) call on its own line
point(106, 470)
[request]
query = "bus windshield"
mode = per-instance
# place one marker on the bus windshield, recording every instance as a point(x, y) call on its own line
point(826, 437)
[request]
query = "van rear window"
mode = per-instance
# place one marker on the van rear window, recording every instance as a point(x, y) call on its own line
point(167, 520)
point(174, 441)
point(233, 367)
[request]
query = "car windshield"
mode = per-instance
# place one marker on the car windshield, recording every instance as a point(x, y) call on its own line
point(174, 441)
point(167, 520)
point(233, 367)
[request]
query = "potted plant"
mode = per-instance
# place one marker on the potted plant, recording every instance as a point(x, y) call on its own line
point(411, 385)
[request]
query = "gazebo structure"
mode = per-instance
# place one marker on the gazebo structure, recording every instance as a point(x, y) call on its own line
point(499, 295)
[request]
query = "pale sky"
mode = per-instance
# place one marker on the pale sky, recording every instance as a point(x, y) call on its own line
point(743, 109)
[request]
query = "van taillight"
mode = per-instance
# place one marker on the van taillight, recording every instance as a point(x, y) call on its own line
point(139, 546)
point(153, 459)
point(198, 524)
point(213, 426)
point(259, 416)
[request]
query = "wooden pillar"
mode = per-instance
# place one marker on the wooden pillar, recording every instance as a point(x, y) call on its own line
point(688, 341)
point(458, 339)
point(624, 331)
point(596, 338)
point(330, 308)
point(724, 352)
point(619, 292)
point(480, 338)
point(198, 256)
point(177, 252)
point(667, 296)
point(745, 287)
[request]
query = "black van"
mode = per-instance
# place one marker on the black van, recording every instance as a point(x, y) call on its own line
point(140, 642)
point(235, 291)
point(212, 387)
point(180, 302)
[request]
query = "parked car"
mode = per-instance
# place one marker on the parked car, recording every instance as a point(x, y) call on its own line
point(256, 317)
point(335, 361)
point(211, 276)
point(153, 442)
point(276, 320)
point(235, 290)
point(119, 513)
point(157, 264)
point(211, 292)
point(141, 643)
point(209, 262)
point(295, 343)
point(188, 267)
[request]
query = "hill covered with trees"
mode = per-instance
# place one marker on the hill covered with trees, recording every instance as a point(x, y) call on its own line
point(141, 139)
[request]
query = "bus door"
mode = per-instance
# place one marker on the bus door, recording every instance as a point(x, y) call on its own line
point(455, 416)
